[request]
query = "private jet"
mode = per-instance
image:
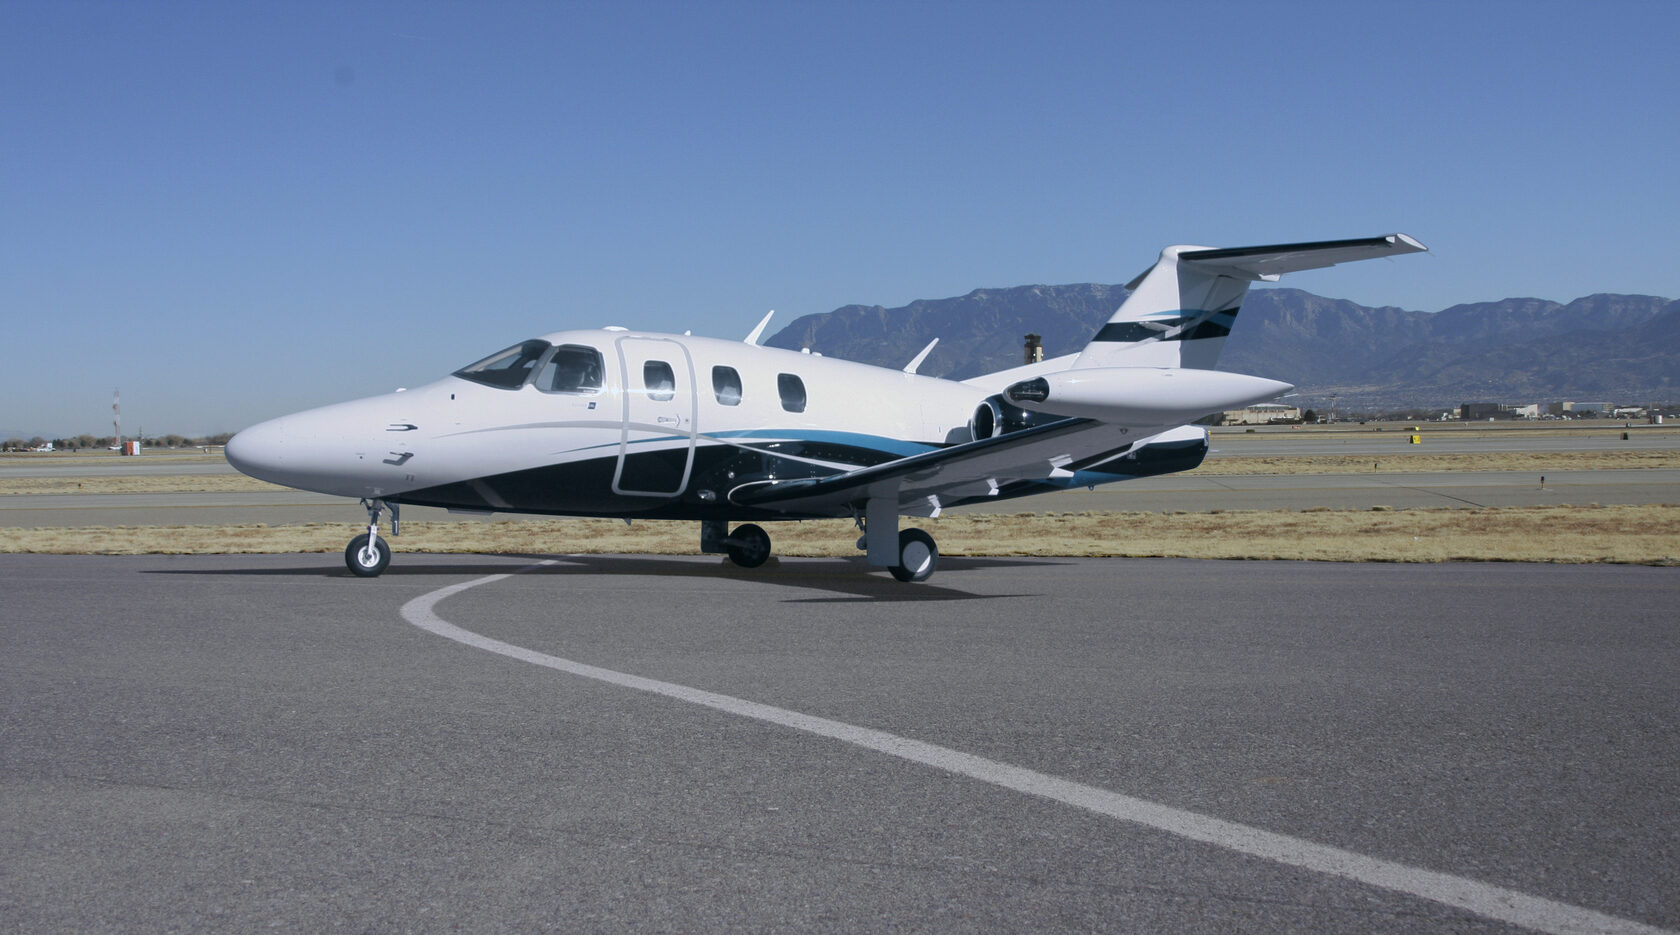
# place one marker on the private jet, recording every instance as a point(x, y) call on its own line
point(731, 434)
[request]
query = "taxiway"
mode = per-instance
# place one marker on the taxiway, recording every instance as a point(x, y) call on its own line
point(212, 743)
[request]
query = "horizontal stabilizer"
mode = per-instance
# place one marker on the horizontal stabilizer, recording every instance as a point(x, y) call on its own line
point(1267, 263)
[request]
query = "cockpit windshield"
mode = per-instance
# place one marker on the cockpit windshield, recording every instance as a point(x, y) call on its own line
point(506, 369)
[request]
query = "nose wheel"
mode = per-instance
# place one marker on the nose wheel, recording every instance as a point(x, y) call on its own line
point(367, 554)
point(367, 557)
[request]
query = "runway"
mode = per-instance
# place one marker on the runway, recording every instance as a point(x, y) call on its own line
point(1435, 438)
point(228, 742)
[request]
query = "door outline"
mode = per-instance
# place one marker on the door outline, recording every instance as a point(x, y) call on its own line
point(655, 417)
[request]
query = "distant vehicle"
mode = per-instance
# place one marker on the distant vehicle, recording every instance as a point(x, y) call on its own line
point(46, 447)
point(633, 424)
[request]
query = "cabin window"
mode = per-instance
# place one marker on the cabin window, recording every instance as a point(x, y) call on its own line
point(574, 368)
point(793, 392)
point(726, 383)
point(660, 381)
point(506, 369)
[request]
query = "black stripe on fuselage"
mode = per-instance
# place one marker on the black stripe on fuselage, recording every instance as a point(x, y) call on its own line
point(585, 487)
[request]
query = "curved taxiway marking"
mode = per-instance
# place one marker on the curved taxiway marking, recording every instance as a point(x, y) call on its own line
point(1494, 902)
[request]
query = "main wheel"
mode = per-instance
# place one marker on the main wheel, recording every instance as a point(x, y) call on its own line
point(917, 556)
point(364, 562)
point(749, 546)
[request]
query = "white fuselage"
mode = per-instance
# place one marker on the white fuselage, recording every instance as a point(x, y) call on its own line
point(723, 398)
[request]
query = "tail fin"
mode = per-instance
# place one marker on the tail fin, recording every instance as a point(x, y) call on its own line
point(1181, 310)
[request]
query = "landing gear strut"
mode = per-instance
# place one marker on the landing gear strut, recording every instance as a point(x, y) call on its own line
point(910, 554)
point(367, 554)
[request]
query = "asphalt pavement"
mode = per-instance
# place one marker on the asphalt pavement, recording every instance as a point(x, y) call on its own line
point(222, 743)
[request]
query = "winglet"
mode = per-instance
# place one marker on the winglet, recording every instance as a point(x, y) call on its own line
point(756, 332)
point(917, 361)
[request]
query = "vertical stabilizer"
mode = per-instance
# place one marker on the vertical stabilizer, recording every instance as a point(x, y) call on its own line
point(1176, 316)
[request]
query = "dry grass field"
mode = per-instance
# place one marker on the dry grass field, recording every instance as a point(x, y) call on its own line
point(1647, 535)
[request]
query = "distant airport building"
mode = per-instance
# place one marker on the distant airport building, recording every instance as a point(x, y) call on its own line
point(1574, 410)
point(1262, 414)
point(1482, 412)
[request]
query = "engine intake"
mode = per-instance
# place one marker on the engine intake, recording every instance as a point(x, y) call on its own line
point(997, 416)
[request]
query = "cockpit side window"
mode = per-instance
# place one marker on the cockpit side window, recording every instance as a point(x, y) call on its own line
point(506, 369)
point(659, 379)
point(574, 368)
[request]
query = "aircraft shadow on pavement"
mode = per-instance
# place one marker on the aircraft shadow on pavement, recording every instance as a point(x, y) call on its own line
point(848, 580)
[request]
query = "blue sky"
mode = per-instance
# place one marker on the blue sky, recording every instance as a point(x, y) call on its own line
point(235, 210)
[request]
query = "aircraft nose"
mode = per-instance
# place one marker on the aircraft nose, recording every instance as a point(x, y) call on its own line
point(333, 450)
point(259, 451)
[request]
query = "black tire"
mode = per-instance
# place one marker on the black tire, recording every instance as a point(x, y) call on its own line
point(918, 556)
point(749, 546)
point(357, 562)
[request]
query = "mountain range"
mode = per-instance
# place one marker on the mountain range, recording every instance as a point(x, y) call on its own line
point(1615, 348)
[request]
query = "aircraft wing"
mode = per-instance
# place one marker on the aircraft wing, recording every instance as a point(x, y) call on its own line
point(922, 481)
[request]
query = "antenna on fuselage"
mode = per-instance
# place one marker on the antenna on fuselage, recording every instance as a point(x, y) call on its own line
point(917, 362)
point(756, 332)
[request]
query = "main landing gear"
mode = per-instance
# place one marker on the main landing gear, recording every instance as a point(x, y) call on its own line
point(910, 554)
point(748, 546)
point(367, 554)
point(914, 557)
point(918, 556)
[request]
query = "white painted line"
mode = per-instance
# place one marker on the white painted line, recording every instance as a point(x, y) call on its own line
point(1494, 902)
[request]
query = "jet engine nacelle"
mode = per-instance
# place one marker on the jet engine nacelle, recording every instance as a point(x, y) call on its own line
point(997, 416)
point(1142, 395)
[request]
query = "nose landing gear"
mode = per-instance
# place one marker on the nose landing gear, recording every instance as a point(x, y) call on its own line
point(367, 554)
point(366, 557)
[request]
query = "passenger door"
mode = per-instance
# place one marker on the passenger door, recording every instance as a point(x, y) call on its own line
point(656, 447)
